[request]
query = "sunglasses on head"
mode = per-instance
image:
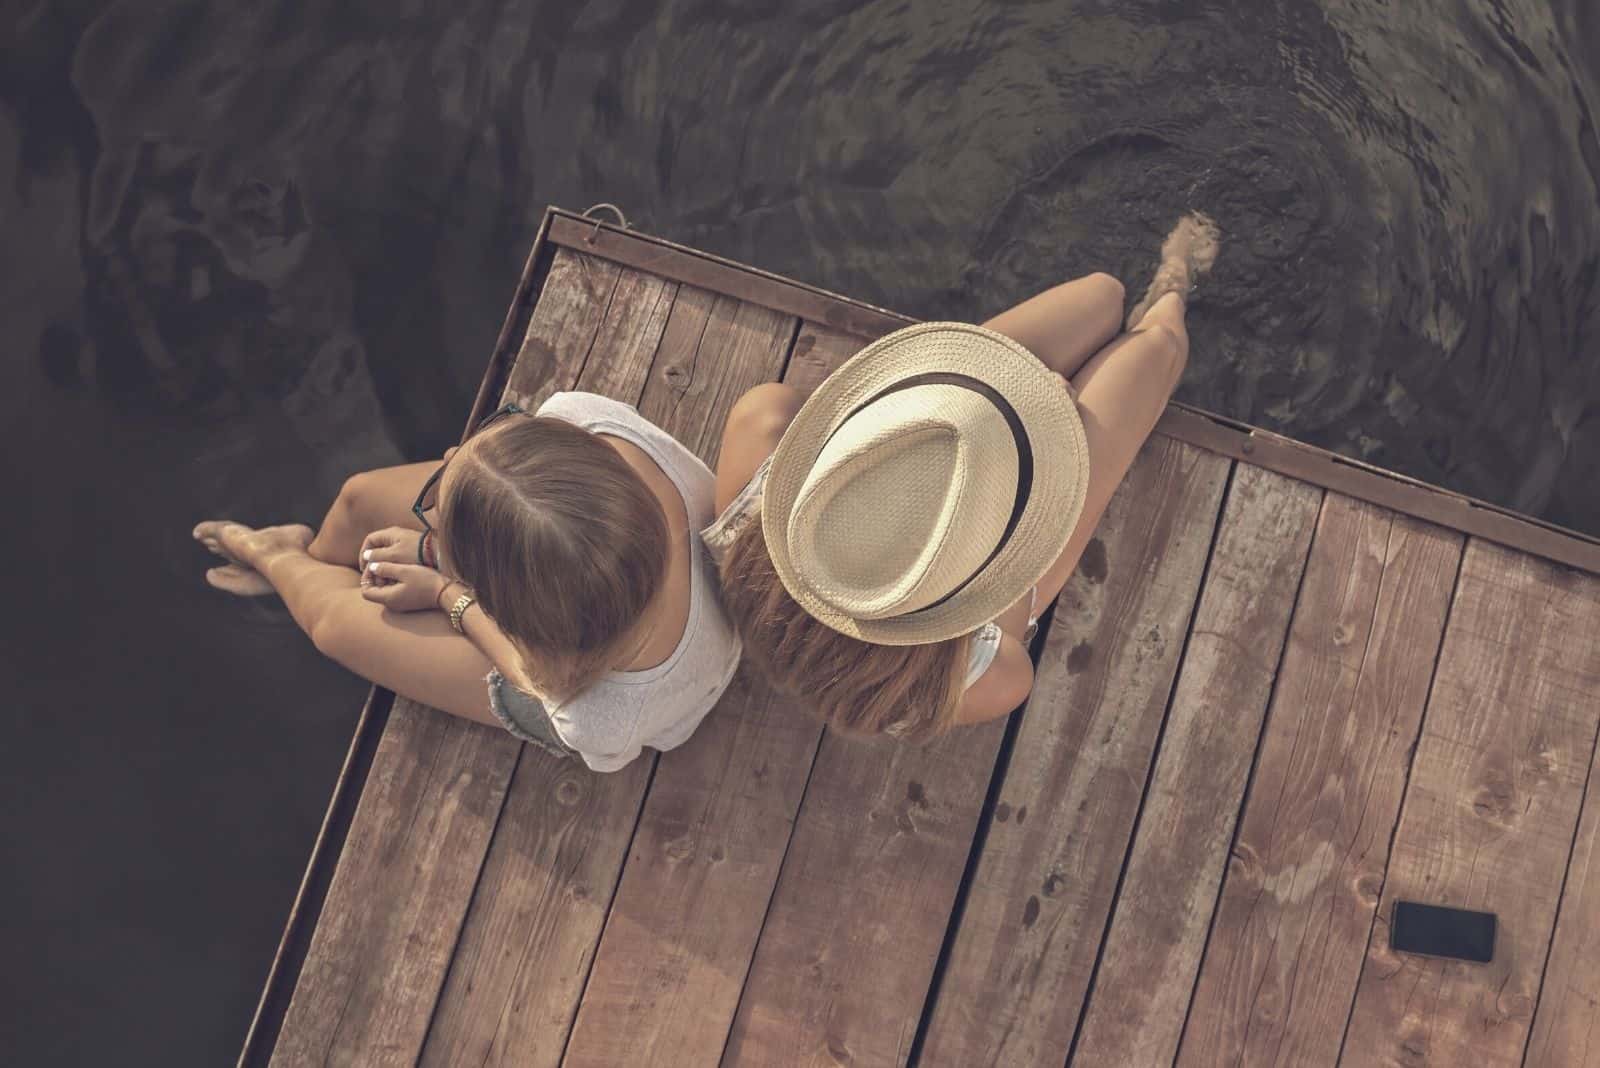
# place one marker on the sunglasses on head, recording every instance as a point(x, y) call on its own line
point(428, 499)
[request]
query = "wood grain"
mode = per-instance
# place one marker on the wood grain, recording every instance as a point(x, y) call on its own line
point(1489, 813)
point(554, 867)
point(714, 274)
point(1387, 489)
point(845, 957)
point(399, 892)
point(573, 303)
point(1035, 914)
point(405, 878)
point(1158, 928)
point(714, 349)
point(1566, 1025)
point(704, 861)
point(700, 872)
point(1302, 881)
point(818, 350)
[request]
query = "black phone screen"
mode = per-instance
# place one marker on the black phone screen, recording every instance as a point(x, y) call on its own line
point(1436, 931)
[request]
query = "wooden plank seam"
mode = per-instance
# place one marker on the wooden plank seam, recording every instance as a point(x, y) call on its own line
point(1150, 768)
point(638, 818)
point(1250, 777)
point(772, 895)
point(1405, 786)
point(1561, 896)
point(980, 838)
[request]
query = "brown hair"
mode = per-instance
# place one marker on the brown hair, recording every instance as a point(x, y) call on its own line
point(563, 543)
point(851, 685)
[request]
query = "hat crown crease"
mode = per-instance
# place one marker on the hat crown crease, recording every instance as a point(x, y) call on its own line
point(906, 499)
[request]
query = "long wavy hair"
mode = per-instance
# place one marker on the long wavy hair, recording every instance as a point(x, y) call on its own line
point(912, 691)
point(563, 543)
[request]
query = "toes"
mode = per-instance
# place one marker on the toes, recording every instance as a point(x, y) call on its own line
point(208, 530)
point(239, 581)
point(210, 534)
point(216, 535)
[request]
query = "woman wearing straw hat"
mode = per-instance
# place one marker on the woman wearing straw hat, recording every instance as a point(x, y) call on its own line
point(887, 543)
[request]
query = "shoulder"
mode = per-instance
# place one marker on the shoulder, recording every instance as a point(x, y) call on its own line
point(581, 408)
point(1002, 686)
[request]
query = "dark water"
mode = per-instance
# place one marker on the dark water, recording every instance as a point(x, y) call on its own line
point(251, 249)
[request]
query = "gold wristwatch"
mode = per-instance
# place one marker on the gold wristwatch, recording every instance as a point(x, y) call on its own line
point(459, 608)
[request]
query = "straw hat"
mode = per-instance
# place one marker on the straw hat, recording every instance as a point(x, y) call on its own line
point(926, 485)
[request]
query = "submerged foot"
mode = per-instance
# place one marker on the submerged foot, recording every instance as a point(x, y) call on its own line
point(1187, 254)
point(242, 546)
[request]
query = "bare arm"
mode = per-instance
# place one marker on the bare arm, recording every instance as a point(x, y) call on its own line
point(485, 635)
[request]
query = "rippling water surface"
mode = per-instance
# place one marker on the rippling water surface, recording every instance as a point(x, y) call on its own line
point(248, 252)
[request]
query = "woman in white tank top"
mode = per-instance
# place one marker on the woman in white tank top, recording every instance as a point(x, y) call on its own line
point(554, 557)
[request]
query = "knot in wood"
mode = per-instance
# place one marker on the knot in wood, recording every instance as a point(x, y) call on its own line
point(1245, 861)
point(1368, 887)
point(1496, 800)
point(1513, 1005)
point(679, 847)
point(568, 793)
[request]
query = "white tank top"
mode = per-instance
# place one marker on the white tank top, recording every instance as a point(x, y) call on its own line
point(610, 721)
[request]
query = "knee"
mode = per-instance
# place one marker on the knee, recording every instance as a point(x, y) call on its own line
point(1171, 348)
point(1109, 290)
point(355, 499)
point(765, 411)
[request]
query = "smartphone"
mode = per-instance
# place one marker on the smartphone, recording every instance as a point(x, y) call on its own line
point(1436, 931)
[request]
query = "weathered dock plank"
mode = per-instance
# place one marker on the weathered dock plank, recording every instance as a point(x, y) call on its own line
point(1566, 1025)
point(1158, 927)
point(1036, 911)
point(843, 964)
point(1489, 814)
point(1303, 879)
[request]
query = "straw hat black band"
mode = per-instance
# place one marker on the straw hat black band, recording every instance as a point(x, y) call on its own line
point(1019, 436)
point(854, 592)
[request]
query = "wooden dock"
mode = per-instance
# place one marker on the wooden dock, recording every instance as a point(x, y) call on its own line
point(1283, 690)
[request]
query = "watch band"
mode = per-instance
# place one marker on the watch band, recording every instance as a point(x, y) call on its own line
point(457, 610)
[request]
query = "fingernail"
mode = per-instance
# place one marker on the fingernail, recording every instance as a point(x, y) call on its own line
point(372, 568)
point(366, 554)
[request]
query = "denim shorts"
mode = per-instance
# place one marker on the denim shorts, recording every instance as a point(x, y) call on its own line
point(524, 716)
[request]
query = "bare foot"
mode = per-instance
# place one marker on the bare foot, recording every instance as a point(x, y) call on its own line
point(1187, 254)
point(244, 548)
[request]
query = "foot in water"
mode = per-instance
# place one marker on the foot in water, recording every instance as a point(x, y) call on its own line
point(1187, 254)
point(242, 547)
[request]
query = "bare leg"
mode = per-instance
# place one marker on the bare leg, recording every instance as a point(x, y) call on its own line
point(415, 654)
point(368, 501)
point(1121, 392)
point(1065, 324)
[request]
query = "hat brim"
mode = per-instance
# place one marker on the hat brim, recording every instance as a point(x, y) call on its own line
point(1049, 417)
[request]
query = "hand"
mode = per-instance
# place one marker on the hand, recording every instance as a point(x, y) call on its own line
point(390, 545)
point(402, 587)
